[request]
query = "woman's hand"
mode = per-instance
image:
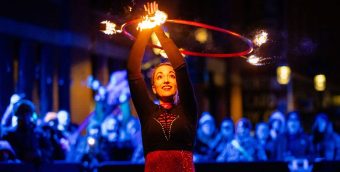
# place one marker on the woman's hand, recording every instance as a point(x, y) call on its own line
point(151, 8)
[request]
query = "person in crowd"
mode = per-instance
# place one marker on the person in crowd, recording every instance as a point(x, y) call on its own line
point(225, 135)
point(205, 142)
point(263, 139)
point(134, 131)
point(277, 127)
point(65, 124)
point(243, 147)
point(168, 128)
point(8, 120)
point(296, 142)
point(324, 141)
point(116, 143)
point(27, 140)
point(7, 153)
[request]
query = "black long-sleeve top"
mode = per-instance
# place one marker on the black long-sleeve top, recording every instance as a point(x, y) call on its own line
point(163, 129)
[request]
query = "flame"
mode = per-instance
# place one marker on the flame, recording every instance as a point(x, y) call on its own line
point(258, 61)
point(254, 60)
point(261, 38)
point(149, 22)
point(110, 28)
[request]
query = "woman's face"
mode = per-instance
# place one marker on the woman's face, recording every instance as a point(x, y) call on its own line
point(164, 84)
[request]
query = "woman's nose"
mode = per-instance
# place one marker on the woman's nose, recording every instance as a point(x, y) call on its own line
point(166, 79)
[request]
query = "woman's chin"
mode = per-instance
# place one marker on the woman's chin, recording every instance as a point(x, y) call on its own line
point(167, 98)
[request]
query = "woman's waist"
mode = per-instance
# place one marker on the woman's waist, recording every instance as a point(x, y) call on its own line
point(169, 155)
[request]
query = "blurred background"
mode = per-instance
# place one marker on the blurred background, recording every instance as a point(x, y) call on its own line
point(66, 79)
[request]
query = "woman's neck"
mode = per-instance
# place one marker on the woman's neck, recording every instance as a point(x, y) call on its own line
point(166, 105)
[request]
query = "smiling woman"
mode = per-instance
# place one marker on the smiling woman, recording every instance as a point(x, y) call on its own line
point(164, 84)
point(168, 129)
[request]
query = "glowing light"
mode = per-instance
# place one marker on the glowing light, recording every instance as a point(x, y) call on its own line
point(201, 35)
point(109, 28)
point(202, 25)
point(149, 22)
point(336, 100)
point(91, 141)
point(283, 75)
point(261, 38)
point(320, 82)
point(254, 60)
point(257, 61)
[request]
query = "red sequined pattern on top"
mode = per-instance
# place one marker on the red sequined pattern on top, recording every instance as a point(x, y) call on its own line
point(166, 120)
point(169, 161)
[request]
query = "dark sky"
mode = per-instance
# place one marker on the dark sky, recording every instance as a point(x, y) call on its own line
point(303, 33)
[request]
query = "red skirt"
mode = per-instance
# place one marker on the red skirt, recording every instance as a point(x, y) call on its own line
point(169, 161)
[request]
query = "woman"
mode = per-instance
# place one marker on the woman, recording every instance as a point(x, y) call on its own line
point(168, 129)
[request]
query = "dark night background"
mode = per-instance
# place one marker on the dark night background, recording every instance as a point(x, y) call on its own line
point(49, 47)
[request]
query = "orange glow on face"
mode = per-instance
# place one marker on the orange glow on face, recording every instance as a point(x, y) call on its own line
point(165, 84)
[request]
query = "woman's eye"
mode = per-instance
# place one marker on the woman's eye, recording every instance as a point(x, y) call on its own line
point(159, 77)
point(173, 76)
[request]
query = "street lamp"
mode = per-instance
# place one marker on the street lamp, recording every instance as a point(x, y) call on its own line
point(283, 74)
point(320, 82)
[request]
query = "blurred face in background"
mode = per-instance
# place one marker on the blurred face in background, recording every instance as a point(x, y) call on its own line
point(276, 125)
point(227, 128)
point(243, 129)
point(293, 124)
point(321, 124)
point(262, 131)
point(208, 128)
point(63, 117)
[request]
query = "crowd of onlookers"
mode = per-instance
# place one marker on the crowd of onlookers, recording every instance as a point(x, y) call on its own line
point(112, 133)
point(25, 137)
point(281, 138)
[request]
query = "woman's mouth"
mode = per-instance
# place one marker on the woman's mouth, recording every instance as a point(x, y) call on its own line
point(166, 87)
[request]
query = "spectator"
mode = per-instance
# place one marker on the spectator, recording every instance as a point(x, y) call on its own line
point(296, 142)
point(243, 147)
point(27, 141)
point(206, 132)
point(325, 142)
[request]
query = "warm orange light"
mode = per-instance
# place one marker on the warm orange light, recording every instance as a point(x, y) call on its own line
point(149, 22)
point(201, 35)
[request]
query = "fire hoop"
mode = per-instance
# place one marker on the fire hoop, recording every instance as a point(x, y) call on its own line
point(202, 25)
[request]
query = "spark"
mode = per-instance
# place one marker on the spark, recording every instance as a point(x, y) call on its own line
point(257, 61)
point(109, 28)
point(261, 38)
